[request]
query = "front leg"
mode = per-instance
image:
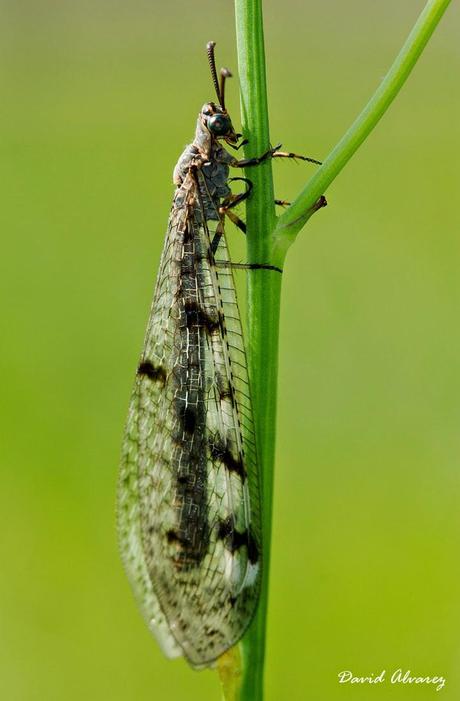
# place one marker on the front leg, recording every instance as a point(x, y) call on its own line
point(271, 153)
point(247, 162)
point(242, 143)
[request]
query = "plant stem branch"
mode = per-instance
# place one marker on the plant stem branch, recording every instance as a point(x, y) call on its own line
point(294, 218)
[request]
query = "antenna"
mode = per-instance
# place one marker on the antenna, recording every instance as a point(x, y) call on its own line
point(212, 64)
point(224, 74)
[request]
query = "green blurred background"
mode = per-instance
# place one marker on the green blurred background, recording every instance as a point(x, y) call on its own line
point(98, 99)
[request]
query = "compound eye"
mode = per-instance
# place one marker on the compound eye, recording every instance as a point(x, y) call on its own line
point(219, 124)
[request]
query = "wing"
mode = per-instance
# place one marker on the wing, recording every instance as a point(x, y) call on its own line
point(145, 438)
point(189, 516)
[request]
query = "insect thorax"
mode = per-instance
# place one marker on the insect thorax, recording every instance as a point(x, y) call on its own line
point(212, 162)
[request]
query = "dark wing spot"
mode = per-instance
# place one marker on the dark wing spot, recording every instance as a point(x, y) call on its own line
point(147, 369)
point(253, 549)
point(234, 540)
point(226, 528)
point(173, 536)
point(187, 417)
point(221, 453)
point(196, 316)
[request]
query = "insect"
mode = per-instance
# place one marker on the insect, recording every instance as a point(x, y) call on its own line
point(189, 498)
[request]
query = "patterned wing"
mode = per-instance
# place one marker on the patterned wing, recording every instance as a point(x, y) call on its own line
point(189, 502)
point(146, 437)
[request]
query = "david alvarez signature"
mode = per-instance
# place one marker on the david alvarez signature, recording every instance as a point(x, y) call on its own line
point(399, 676)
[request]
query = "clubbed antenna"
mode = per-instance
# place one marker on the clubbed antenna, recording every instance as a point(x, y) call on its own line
point(212, 64)
point(224, 73)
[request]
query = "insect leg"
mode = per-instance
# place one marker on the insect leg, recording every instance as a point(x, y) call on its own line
point(271, 153)
point(289, 154)
point(235, 219)
point(242, 143)
point(217, 236)
point(247, 162)
point(233, 200)
point(246, 266)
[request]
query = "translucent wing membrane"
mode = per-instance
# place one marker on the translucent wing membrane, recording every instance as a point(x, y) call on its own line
point(189, 515)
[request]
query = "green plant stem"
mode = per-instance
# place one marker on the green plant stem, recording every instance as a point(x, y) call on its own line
point(268, 240)
point(294, 218)
point(264, 290)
